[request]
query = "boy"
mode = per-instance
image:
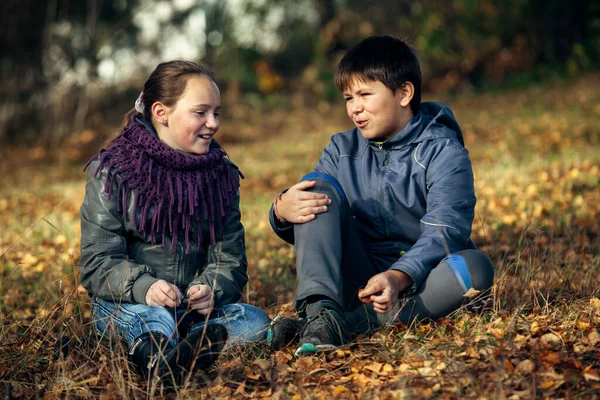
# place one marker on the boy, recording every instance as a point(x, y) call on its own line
point(387, 212)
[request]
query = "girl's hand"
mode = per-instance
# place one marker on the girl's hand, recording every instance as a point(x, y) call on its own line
point(299, 206)
point(200, 298)
point(162, 293)
point(383, 289)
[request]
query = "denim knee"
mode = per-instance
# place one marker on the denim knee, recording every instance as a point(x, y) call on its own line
point(245, 323)
point(129, 321)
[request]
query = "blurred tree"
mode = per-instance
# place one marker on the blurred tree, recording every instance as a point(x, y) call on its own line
point(60, 58)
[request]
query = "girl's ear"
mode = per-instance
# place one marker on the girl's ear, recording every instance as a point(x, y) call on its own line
point(160, 112)
point(406, 91)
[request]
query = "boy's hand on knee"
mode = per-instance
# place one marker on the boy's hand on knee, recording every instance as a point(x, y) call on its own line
point(299, 206)
point(201, 298)
point(162, 293)
point(383, 289)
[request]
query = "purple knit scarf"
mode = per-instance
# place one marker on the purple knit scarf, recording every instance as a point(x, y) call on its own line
point(171, 189)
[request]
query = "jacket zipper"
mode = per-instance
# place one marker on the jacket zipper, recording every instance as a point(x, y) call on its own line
point(379, 191)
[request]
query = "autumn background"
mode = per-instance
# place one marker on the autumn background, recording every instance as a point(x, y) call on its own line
point(522, 79)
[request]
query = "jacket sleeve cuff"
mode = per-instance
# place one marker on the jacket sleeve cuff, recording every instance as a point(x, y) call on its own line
point(415, 274)
point(141, 286)
point(277, 224)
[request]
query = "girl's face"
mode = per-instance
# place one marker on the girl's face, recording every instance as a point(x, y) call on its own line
point(194, 120)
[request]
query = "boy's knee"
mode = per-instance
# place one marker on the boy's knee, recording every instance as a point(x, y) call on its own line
point(325, 184)
point(477, 266)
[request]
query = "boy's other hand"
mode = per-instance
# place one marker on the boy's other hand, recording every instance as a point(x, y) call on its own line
point(162, 293)
point(299, 206)
point(383, 289)
point(200, 298)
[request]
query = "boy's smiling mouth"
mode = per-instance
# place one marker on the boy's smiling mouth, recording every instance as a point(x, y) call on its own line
point(361, 123)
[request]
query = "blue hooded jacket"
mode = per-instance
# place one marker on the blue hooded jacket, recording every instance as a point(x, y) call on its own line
point(412, 194)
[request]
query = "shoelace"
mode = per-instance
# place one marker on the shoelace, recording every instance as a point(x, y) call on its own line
point(329, 320)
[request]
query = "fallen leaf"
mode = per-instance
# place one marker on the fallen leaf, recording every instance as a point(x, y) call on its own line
point(591, 375)
point(594, 337)
point(550, 339)
point(263, 363)
point(471, 352)
point(498, 333)
point(338, 391)
point(525, 367)
point(546, 384)
point(375, 367)
point(361, 380)
point(472, 293)
point(549, 357)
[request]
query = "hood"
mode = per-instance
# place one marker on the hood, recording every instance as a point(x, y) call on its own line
point(434, 120)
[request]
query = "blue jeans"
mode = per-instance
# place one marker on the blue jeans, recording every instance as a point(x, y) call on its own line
point(245, 324)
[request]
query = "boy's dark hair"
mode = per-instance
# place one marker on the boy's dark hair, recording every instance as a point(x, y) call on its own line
point(385, 59)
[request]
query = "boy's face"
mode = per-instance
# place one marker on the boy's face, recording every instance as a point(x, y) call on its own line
point(375, 110)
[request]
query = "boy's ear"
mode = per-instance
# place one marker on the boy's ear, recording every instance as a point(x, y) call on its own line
point(407, 91)
point(160, 112)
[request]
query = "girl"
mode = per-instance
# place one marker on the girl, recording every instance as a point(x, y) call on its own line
point(162, 245)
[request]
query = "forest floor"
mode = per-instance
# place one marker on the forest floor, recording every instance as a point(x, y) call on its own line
point(536, 158)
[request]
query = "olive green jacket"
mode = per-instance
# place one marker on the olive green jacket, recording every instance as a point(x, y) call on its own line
point(118, 264)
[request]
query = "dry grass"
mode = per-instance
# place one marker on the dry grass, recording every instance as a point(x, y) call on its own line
point(537, 163)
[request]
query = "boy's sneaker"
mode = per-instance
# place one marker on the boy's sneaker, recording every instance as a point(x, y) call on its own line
point(325, 330)
point(284, 331)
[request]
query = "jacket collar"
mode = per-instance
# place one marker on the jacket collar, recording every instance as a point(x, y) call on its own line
point(434, 120)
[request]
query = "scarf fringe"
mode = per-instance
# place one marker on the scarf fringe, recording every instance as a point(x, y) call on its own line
point(198, 187)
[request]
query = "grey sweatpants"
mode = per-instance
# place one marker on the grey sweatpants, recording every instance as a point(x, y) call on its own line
point(332, 261)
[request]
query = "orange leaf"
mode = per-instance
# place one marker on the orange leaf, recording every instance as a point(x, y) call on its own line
point(498, 333)
point(549, 357)
point(546, 384)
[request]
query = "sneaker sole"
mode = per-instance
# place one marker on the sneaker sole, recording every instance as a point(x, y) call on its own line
point(309, 348)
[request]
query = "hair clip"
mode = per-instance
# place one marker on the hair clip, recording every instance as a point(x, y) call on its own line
point(139, 103)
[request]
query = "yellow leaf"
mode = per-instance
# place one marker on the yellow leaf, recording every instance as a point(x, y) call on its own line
point(595, 302)
point(241, 390)
point(339, 391)
point(471, 352)
point(594, 337)
point(546, 384)
point(582, 325)
point(361, 380)
point(404, 367)
point(498, 333)
point(375, 367)
point(426, 371)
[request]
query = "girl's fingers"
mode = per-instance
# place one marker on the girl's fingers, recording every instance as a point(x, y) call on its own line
point(202, 305)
